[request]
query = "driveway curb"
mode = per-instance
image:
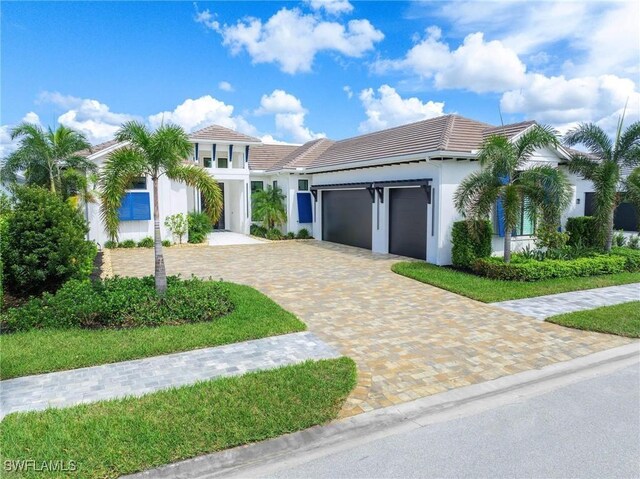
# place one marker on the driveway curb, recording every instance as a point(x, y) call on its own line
point(288, 450)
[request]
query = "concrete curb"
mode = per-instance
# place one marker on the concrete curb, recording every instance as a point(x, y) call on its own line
point(273, 454)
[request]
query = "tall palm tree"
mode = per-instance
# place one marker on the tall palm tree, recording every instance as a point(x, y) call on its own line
point(602, 167)
point(632, 190)
point(508, 180)
point(268, 206)
point(49, 158)
point(153, 154)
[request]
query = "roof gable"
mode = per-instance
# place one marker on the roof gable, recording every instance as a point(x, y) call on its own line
point(220, 133)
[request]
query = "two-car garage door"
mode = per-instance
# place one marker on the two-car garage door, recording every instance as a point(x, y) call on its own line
point(347, 219)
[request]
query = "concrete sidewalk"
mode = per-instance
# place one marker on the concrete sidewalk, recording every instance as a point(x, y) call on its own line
point(143, 376)
point(542, 307)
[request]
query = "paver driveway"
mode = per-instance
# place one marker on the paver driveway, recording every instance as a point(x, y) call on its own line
point(409, 339)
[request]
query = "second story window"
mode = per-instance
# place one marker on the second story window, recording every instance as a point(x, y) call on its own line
point(303, 185)
point(223, 162)
point(207, 162)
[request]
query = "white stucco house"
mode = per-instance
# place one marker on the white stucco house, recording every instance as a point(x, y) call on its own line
point(389, 191)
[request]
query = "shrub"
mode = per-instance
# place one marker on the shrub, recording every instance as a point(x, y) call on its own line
point(44, 244)
point(546, 238)
point(166, 243)
point(110, 244)
point(257, 230)
point(619, 239)
point(304, 234)
point(147, 242)
point(632, 257)
point(634, 242)
point(127, 244)
point(274, 234)
point(199, 227)
point(583, 231)
point(178, 225)
point(121, 303)
point(521, 269)
point(471, 240)
point(290, 235)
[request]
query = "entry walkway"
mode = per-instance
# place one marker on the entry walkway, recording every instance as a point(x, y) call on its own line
point(142, 376)
point(227, 238)
point(544, 306)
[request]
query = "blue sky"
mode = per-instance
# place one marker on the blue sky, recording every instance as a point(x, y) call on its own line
point(292, 71)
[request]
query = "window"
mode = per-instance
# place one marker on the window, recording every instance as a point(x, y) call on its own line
point(257, 186)
point(275, 184)
point(526, 225)
point(207, 162)
point(303, 185)
point(140, 183)
point(223, 162)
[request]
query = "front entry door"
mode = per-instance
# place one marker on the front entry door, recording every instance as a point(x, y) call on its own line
point(220, 224)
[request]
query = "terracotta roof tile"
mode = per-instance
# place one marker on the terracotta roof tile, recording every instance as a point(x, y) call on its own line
point(304, 155)
point(220, 133)
point(265, 156)
point(97, 148)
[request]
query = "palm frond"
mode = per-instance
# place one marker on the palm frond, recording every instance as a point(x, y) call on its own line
point(627, 143)
point(497, 154)
point(198, 178)
point(539, 136)
point(477, 193)
point(632, 189)
point(593, 137)
point(169, 147)
point(582, 165)
point(135, 133)
point(549, 192)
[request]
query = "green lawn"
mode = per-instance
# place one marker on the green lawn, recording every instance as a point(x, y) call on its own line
point(492, 290)
point(621, 319)
point(111, 438)
point(39, 351)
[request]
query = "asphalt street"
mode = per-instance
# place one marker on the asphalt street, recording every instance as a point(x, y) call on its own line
point(589, 429)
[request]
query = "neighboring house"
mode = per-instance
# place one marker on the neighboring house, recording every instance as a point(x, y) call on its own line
point(390, 191)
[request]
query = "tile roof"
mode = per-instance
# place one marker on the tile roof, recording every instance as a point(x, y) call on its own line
point(265, 156)
point(304, 155)
point(509, 131)
point(220, 133)
point(97, 148)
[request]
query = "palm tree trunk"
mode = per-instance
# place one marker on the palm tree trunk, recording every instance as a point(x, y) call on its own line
point(608, 241)
point(507, 245)
point(160, 271)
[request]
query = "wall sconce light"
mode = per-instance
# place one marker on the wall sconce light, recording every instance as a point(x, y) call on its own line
point(577, 201)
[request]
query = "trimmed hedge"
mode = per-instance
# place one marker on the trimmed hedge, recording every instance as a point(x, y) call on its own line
point(583, 231)
point(468, 247)
point(534, 270)
point(117, 303)
point(199, 227)
point(632, 257)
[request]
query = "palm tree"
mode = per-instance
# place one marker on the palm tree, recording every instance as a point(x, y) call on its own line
point(268, 206)
point(508, 180)
point(602, 167)
point(49, 158)
point(632, 190)
point(153, 154)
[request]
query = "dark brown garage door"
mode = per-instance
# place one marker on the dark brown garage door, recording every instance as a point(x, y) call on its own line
point(346, 217)
point(408, 222)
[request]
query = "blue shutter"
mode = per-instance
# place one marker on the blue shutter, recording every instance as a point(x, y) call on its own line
point(246, 153)
point(230, 154)
point(304, 208)
point(196, 153)
point(500, 209)
point(135, 206)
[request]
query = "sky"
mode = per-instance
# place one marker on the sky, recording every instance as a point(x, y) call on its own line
point(295, 71)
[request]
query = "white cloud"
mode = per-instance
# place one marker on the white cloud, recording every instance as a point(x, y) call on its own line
point(225, 86)
point(270, 140)
point(476, 65)
point(289, 115)
point(566, 102)
point(347, 89)
point(388, 108)
point(87, 116)
point(193, 114)
point(334, 7)
point(7, 145)
point(292, 39)
point(207, 19)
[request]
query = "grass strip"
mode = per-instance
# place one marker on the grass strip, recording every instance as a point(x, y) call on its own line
point(255, 316)
point(620, 319)
point(111, 438)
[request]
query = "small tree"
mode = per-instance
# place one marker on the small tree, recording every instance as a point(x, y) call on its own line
point(268, 207)
point(632, 191)
point(177, 224)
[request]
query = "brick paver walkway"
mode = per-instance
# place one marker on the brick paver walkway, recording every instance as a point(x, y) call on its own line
point(408, 339)
point(142, 376)
point(544, 306)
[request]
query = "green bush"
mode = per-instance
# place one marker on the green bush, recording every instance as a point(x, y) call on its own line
point(199, 227)
point(121, 303)
point(257, 230)
point(582, 231)
point(552, 239)
point(634, 242)
point(166, 243)
point(44, 244)
point(110, 244)
point(471, 240)
point(632, 257)
point(619, 239)
point(146, 242)
point(290, 235)
point(127, 244)
point(304, 234)
point(521, 269)
point(178, 225)
point(274, 234)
